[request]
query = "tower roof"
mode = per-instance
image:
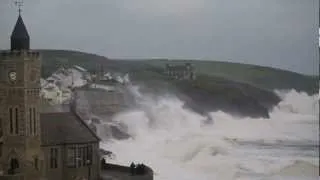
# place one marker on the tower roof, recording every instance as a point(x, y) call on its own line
point(20, 38)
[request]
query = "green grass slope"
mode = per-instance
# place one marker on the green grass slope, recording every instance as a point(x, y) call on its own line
point(236, 88)
point(262, 77)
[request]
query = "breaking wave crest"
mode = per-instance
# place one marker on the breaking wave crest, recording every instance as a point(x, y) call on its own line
point(179, 144)
point(299, 168)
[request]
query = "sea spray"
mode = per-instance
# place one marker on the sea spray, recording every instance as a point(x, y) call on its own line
point(177, 143)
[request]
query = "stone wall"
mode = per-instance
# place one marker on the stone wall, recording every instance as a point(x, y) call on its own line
point(12, 177)
point(126, 172)
point(100, 102)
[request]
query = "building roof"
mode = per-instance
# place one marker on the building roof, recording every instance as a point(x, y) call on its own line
point(177, 68)
point(65, 128)
point(20, 38)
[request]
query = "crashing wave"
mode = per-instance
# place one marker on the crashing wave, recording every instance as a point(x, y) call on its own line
point(299, 168)
point(175, 140)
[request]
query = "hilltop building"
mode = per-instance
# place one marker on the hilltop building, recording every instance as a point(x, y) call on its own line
point(181, 72)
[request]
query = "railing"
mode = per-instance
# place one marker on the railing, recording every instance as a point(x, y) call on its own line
point(12, 177)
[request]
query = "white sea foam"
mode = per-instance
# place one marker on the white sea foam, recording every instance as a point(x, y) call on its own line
point(177, 143)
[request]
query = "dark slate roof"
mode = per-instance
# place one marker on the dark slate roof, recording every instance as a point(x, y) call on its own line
point(20, 37)
point(65, 128)
point(20, 30)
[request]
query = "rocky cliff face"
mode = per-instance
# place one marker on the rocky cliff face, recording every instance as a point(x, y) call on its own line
point(232, 97)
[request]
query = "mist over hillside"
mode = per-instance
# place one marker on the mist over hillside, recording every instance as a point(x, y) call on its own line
point(263, 77)
point(236, 88)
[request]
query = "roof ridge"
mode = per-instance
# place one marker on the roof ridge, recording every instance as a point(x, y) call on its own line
point(54, 113)
point(85, 124)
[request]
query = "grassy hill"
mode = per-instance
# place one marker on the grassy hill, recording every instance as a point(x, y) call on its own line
point(263, 77)
point(236, 88)
point(258, 76)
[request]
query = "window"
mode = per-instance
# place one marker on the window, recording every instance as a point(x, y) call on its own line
point(85, 155)
point(53, 158)
point(36, 163)
point(0, 149)
point(34, 121)
point(17, 121)
point(30, 121)
point(14, 164)
point(79, 157)
point(89, 155)
point(71, 157)
point(1, 130)
point(11, 120)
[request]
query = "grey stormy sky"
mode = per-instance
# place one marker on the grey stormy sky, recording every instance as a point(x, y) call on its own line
point(276, 33)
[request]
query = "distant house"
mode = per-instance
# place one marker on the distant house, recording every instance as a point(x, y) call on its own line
point(180, 72)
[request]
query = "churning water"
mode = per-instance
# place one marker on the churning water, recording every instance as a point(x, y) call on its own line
point(179, 145)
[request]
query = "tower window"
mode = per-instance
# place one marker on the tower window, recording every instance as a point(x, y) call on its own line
point(17, 121)
point(30, 121)
point(34, 121)
point(11, 120)
point(14, 165)
point(53, 158)
point(1, 129)
point(1, 149)
point(36, 163)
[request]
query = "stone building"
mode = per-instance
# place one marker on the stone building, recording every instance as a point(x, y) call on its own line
point(33, 144)
point(181, 72)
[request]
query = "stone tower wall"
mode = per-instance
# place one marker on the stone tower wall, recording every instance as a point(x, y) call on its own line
point(19, 113)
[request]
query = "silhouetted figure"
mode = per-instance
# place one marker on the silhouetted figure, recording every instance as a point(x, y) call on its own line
point(103, 163)
point(132, 168)
point(143, 168)
point(140, 169)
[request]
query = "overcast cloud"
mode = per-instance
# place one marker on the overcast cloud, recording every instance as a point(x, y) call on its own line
point(276, 33)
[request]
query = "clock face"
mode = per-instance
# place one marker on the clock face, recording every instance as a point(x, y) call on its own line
point(12, 76)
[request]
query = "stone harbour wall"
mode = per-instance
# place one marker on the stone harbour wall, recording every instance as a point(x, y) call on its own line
point(113, 171)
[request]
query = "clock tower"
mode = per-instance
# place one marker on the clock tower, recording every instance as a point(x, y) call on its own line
point(20, 141)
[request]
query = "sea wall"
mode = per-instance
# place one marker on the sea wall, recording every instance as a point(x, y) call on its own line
point(101, 102)
point(126, 171)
